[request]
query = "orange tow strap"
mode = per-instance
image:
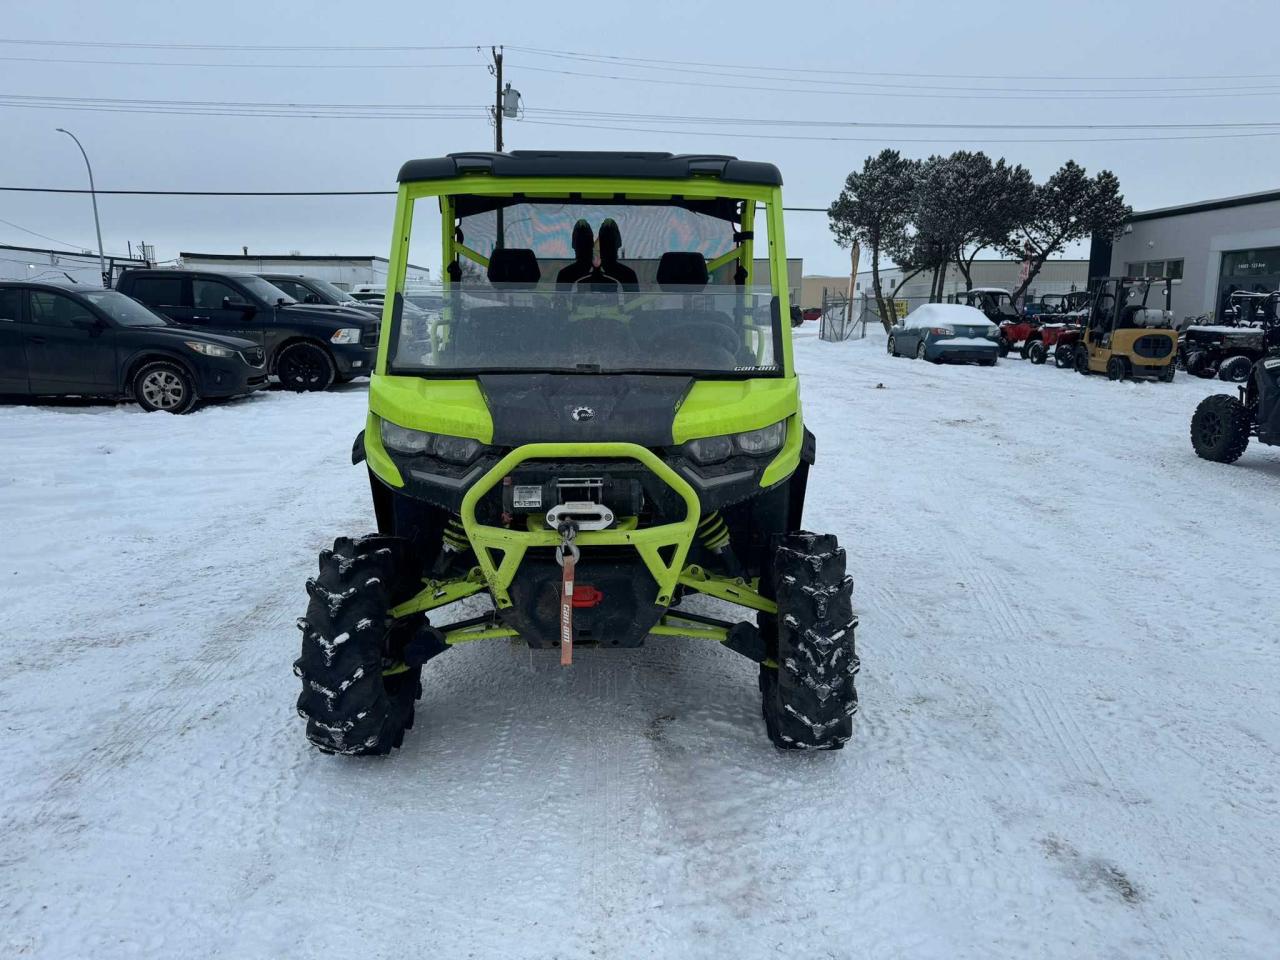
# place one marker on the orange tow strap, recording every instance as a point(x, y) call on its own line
point(566, 612)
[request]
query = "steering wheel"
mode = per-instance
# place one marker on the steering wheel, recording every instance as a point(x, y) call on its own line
point(714, 333)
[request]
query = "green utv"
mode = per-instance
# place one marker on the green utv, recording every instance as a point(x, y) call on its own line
point(601, 419)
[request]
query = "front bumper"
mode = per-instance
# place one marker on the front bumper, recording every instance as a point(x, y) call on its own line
point(219, 377)
point(354, 359)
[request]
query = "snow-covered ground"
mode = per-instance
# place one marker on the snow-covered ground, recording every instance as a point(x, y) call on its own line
point(1069, 744)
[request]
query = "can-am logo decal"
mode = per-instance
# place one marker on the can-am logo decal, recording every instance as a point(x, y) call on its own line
point(583, 414)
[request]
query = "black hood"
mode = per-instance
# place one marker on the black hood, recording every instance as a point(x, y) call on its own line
point(334, 312)
point(187, 333)
point(564, 408)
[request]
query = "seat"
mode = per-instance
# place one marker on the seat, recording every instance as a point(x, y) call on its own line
point(610, 246)
point(583, 244)
point(517, 267)
point(678, 271)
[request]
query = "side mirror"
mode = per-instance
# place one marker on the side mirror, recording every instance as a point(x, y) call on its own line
point(95, 325)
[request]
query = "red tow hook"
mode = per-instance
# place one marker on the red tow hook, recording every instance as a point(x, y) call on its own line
point(586, 596)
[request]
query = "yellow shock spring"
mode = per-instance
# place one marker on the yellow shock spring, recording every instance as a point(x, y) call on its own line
point(713, 531)
point(455, 537)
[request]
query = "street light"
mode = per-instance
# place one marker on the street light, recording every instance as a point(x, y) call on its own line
point(102, 262)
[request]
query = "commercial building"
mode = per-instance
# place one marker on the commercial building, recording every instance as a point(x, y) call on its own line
point(59, 266)
point(1211, 248)
point(341, 271)
point(1056, 276)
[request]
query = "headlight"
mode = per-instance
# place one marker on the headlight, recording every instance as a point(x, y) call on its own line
point(765, 440)
point(753, 443)
point(210, 349)
point(346, 335)
point(709, 449)
point(404, 440)
point(457, 449)
point(454, 449)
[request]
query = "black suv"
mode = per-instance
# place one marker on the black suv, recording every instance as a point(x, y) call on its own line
point(306, 289)
point(85, 341)
point(308, 347)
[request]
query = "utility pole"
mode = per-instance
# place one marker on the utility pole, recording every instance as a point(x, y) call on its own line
point(102, 260)
point(499, 238)
point(497, 98)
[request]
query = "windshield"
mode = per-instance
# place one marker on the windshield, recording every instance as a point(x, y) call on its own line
point(264, 290)
point(328, 290)
point(123, 310)
point(632, 286)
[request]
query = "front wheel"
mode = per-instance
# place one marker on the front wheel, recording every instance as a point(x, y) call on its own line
point(1037, 352)
point(1198, 364)
point(1082, 360)
point(357, 693)
point(892, 347)
point(164, 385)
point(1235, 369)
point(920, 350)
point(1063, 358)
point(1220, 428)
point(807, 688)
point(1004, 348)
point(305, 366)
point(1117, 369)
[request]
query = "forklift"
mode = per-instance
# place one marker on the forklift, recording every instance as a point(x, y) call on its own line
point(1127, 335)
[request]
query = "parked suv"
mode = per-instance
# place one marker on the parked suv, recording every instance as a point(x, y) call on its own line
point(308, 347)
point(85, 341)
point(313, 290)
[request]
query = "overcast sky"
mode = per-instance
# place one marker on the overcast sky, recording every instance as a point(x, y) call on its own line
point(980, 62)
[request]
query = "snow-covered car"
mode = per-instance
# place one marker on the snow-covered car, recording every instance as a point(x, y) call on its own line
point(946, 332)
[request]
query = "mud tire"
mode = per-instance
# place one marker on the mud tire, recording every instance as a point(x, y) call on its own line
point(808, 695)
point(1220, 428)
point(348, 638)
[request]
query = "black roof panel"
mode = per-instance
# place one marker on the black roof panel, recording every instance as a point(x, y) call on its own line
point(584, 163)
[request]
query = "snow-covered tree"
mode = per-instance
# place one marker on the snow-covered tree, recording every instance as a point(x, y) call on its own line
point(1067, 207)
point(874, 209)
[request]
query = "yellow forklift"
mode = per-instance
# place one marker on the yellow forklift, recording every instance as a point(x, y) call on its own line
point(1128, 334)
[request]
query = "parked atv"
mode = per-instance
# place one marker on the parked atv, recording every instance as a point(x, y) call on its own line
point(998, 306)
point(1059, 320)
point(1222, 424)
point(588, 442)
point(1229, 351)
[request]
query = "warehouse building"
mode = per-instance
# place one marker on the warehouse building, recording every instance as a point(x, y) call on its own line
point(59, 266)
point(1056, 276)
point(1211, 248)
point(343, 272)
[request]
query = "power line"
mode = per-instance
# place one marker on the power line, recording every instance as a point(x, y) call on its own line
point(768, 121)
point(245, 66)
point(348, 48)
point(250, 108)
point(834, 139)
point(653, 63)
point(18, 226)
point(821, 91)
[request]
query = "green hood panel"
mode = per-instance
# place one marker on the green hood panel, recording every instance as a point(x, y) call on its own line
point(717, 407)
point(453, 407)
